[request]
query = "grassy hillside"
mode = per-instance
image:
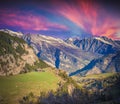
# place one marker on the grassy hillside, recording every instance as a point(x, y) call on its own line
point(96, 89)
point(105, 88)
point(12, 88)
point(90, 79)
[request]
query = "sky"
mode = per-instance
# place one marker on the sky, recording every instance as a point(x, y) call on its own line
point(62, 18)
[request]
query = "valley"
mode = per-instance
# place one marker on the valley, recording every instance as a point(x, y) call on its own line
point(59, 51)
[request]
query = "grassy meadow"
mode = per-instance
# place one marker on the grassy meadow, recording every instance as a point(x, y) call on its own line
point(12, 88)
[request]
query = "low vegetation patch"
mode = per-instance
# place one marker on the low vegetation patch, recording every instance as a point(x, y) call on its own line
point(38, 66)
point(109, 94)
point(6, 45)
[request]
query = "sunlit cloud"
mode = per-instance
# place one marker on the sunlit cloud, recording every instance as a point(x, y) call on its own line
point(90, 16)
point(77, 17)
point(28, 21)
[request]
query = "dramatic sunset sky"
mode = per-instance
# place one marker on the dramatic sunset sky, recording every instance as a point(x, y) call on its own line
point(62, 18)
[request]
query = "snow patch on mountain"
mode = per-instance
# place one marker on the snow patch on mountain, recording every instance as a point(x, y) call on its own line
point(12, 33)
point(102, 40)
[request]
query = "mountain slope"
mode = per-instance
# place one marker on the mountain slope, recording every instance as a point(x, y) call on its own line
point(91, 55)
point(105, 64)
point(58, 53)
point(12, 33)
point(93, 89)
point(14, 54)
point(100, 45)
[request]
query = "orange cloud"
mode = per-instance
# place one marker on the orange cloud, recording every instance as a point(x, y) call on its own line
point(89, 16)
point(110, 32)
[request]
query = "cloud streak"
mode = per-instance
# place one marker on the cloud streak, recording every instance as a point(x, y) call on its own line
point(72, 16)
point(28, 21)
point(90, 16)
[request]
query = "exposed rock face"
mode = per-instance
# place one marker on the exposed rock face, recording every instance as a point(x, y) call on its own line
point(85, 56)
point(70, 89)
point(100, 45)
point(91, 55)
point(108, 48)
point(12, 33)
point(94, 70)
point(14, 55)
point(30, 57)
point(58, 53)
point(105, 64)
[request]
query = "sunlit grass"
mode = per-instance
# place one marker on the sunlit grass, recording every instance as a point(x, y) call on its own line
point(99, 76)
point(12, 88)
point(95, 76)
point(85, 80)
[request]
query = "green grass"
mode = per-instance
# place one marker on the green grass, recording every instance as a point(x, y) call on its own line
point(13, 88)
point(100, 76)
point(96, 76)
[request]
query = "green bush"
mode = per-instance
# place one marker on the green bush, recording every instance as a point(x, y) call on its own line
point(41, 64)
point(38, 64)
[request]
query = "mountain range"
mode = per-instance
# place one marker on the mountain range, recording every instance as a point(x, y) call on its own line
point(92, 55)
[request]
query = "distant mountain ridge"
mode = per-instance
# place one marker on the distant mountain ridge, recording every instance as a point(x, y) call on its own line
point(75, 54)
point(100, 45)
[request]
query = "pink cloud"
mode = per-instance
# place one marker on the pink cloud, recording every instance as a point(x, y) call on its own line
point(89, 16)
point(28, 21)
point(86, 14)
